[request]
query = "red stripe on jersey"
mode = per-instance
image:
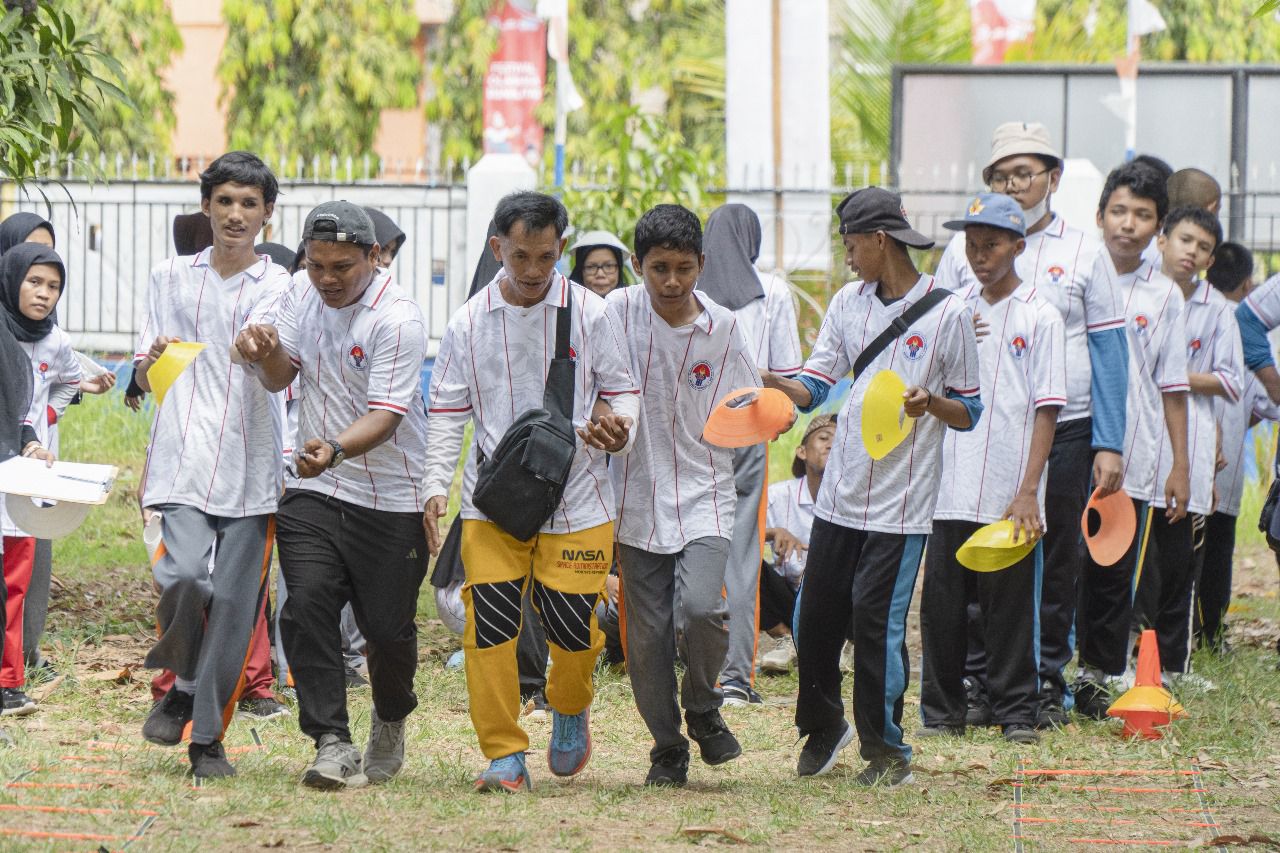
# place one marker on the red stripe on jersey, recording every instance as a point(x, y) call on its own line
point(449, 411)
point(378, 404)
point(824, 377)
point(618, 393)
point(1051, 401)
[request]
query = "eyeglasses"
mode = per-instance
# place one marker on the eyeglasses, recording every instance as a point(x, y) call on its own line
point(1017, 181)
point(609, 267)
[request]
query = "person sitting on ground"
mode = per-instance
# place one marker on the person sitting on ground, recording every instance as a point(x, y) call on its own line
point(788, 521)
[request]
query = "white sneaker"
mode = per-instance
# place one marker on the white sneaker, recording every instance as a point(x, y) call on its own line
point(1187, 681)
point(781, 657)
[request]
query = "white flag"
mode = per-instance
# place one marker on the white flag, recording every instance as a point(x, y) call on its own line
point(557, 14)
point(1144, 19)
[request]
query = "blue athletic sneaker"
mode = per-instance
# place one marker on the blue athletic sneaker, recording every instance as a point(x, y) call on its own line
point(570, 748)
point(505, 774)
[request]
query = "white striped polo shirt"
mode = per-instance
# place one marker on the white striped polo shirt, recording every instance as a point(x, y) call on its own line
point(1234, 418)
point(674, 487)
point(791, 508)
point(216, 441)
point(1023, 369)
point(769, 327)
point(1059, 262)
point(1212, 346)
point(1157, 331)
point(351, 361)
point(492, 368)
point(939, 353)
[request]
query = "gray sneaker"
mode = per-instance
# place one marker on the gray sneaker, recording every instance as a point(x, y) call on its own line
point(337, 765)
point(384, 754)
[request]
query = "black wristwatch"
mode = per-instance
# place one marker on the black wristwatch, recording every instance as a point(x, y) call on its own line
point(338, 453)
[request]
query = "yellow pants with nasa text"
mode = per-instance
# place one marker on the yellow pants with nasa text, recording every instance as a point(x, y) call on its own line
point(567, 571)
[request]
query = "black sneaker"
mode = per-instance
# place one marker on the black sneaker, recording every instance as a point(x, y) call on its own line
point(168, 718)
point(260, 709)
point(15, 703)
point(354, 679)
point(1052, 713)
point(977, 706)
point(940, 731)
point(1020, 733)
point(821, 748)
point(670, 769)
point(885, 772)
point(715, 742)
point(1092, 699)
point(736, 694)
point(209, 761)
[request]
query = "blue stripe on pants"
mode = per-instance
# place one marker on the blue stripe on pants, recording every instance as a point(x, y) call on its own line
point(895, 674)
point(1039, 590)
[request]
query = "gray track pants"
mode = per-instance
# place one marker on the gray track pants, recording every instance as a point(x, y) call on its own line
point(207, 620)
point(672, 604)
point(742, 575)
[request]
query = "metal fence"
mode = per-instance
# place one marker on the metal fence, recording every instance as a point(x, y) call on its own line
point(111, 235)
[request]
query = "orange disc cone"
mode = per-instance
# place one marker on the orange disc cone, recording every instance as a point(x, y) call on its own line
point(1147, 705)
point(1109, 525)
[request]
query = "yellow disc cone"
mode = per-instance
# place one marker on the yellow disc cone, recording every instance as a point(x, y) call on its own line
point(992, 548)
point(177, 357)
point(884, 423)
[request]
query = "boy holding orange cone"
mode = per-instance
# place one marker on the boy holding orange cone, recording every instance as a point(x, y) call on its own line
point(990, 473)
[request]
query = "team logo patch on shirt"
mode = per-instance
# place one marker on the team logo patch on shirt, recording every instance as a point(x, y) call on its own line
point(1056, 274)
point(1193, 347)
point(915, 346)
point(1140, 324)
point(573, 354)
point(700, 375)
point(1018, 346)
point(356, 357)
point(44, 368)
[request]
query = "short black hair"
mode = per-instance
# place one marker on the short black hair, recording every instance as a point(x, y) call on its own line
point(1231, 268)
point(1197, 216)
point(535, 210)
point(1151, 161)
point(1141, 180)
point(668, 226)
point(240, 167)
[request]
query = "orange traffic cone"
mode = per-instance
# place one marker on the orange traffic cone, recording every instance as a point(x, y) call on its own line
point(1147, 704)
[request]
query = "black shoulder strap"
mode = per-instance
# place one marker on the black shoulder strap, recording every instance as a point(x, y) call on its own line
point(564, 320)
point(557, 398)
point(897, 328)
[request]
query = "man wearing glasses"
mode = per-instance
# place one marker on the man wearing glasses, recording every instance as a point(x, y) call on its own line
point(1059, 263)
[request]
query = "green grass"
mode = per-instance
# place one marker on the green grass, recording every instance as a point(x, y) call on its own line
point(87, 734)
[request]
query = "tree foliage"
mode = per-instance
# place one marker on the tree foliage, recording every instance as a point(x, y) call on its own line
point(664, 53)
point(312, 76)
point(642, 161)
point(54, 85)
point(872, 37)
point(1199, 31)
point(144, 39)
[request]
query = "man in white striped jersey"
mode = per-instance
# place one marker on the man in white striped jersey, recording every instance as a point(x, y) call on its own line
point(1059, 264)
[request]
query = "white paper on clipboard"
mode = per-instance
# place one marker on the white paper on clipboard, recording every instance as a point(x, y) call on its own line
point(76, 482)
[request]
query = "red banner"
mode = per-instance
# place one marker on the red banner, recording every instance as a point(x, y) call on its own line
point(997, 24)
point(514, 82)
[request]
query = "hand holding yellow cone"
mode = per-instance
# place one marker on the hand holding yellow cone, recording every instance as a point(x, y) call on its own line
point(992, 548)
point(885, 424)
point(177, 357)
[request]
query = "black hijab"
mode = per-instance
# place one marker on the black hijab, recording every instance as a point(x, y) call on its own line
point(14, 265)
point(192, 233)
point(282, 255)
point(15, 393)
point(487, 267)
point(17, 228)
point(731, 243)
point(385, 229)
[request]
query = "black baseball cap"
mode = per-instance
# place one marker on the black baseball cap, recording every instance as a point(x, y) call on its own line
point(339, 222)
point(873, 209)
